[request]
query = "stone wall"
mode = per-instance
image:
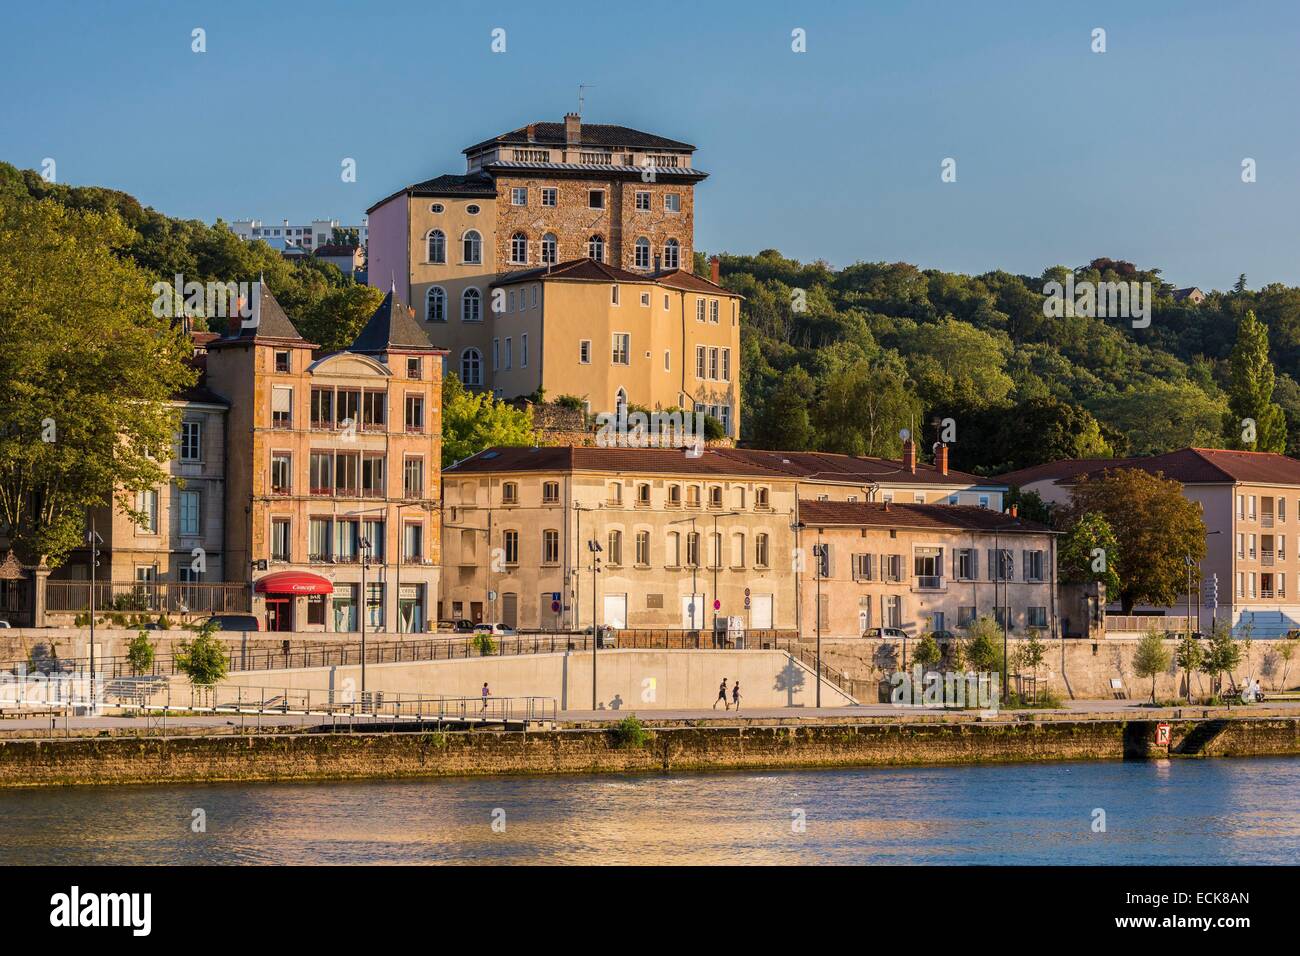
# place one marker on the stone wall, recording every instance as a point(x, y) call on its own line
point(1078, 669)
point(36, 763)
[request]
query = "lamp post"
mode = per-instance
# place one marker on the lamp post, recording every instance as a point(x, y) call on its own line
point(594, 547)
point(363, 545)
point(94, 540)
point(717, 563)
point(695, 565)
point(819, 553)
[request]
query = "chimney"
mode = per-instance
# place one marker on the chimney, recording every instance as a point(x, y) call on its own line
point(532, 132)
point(656, 263)
point(909, 456)
point(941, 458)
point(572, 129)
point(715, 269)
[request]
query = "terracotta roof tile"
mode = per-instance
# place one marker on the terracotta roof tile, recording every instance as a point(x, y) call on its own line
point(945, 517)
point(1190, 466)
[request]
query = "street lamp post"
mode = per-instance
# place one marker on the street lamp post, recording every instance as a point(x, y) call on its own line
point(94, 540)
point(363, 545)
point(695, 566)
point(819, 552)
point(717, 563)
point(594, 547)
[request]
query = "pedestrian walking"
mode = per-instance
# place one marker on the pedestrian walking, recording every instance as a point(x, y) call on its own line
point(735, 694)
point(486, 694)
point(722, 696)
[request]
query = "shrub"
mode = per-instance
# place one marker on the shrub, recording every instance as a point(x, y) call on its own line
point(927, 652)
point(1151, 658)
point(139, 653)
point(630, 733)
point(202, 660)
point(484, 644)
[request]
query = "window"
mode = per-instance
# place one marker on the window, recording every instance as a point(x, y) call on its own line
point(436, 207)
point(471, 367)
point(891, 568)
point(760, 498)
point(642, 256)
point(471, 306)
point(692, 496)
point(413, 542)
point(596, 248)
point(699, 310)
point(318, 540)
point(595, 200)
point(693, 549)
point(523, 350)
point(414, 368)
point(726, 365)
point(584, 352)
point(550, 492)
point(372, 411)
point(700, 353)
point(622, 348)
point(668, 360)
point(283, 361)
point(713, 311)
point(761, 550)
point(189, 516)
point(643, 495)
point(674, 496)
point(1034, 563)
point(519, 196)
point(549, 249)
point(549, 196)
point(673, 556)
point(863, 567)
point(281, 473)
point(715, 549)
point(715, 496)
point(550, 546)
point(472, 248)
point(510, 493)
point(472, 209)
point(984, 501)
point(672, 254)
point(281, 407)
point(1001, 565)
point(967, 564)
point(615, 493)
point(508, 353)
point(893, 611)
point(280, 540)
point(643, 548)
point(510, 544)
point(643, 202)
point(927, 565)
point(437, 247)
point(1036, 617)
point(965, 616)
point(321, 473)
point(519, 248)
point(613, 295)
point(713, 364)
point(615, 556)
point(413, 477)
point(672, 202)
point(435, 305)
point(347, 473)
point(191, 441)
point(146, 502)
point(415, 413)
point(738, 549)
point(372, 475)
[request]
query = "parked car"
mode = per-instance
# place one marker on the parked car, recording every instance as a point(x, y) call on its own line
point(496, 630)
point(944, 635)
point(463, 626)
point(236, 622)
point(885, 633)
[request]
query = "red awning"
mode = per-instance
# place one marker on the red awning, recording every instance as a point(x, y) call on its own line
point(293, 582)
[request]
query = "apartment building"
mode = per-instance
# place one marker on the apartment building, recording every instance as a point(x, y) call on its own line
point(310, 236)
point(542, 196)
point(332, 470)
point(676, 533)
point(924, 567)
point(1250, 501)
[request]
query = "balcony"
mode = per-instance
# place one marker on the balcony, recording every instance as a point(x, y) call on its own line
point(1266, 558)
point(1266, 519)
point(929, 582)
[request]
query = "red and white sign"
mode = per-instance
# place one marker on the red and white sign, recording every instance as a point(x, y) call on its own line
point(1162, 735)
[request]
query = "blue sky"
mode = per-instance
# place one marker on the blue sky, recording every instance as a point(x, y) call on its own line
point(1062, 154)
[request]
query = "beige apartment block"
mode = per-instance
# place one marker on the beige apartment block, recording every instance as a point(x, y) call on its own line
point(676, 532)
point(326, 455)
point(1250, 502)
point(540, 196)
point(924, 568)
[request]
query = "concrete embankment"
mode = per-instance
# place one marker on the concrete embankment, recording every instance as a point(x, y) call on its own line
point(303, 756)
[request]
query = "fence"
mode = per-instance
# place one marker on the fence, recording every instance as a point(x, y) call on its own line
point(134, 596)
point(1141, 623)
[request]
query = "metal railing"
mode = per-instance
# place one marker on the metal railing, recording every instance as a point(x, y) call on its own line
point(136, 597)
point(154, 695)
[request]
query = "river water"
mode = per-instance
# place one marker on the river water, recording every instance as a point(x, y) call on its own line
point(1158, 812)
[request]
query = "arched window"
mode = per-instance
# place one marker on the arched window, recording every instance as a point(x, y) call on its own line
point(473, 244)
point(471, 306)
point(596, 248)
point(620, 402)
point(435, 305)
point(643, 253)
point(471, 367)
point(549, 247)
point(519, 248)
point(437, 247)
point(672, 254)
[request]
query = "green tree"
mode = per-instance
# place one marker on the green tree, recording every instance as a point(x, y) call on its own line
point(473, 421)
point(1251, 408)
point(1188, 656)
point(203, 660)
point(1089, 552)
point(983, 651)
point(783, 422)
point(1032, 652)
point(1155, 527)
point(139, 653)
point(1151, 658)
point(1222, 655)
point(86, 371)
point(334, 320)
point(927, 652)
point(952, 361)
point(863, 409)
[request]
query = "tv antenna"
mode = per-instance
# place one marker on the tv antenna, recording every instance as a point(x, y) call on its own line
point(582, 87)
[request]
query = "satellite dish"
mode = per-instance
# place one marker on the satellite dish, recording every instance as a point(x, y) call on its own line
point(905, 433)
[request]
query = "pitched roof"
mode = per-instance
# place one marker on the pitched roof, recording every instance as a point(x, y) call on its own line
point(874, 514)
point(392, 328)
point(571, 170)
point(471, 185)
point(339, 249)
point(1190, 466)
point(592, 134)
point(268, 324)
point(589, 270)
point(750, 462)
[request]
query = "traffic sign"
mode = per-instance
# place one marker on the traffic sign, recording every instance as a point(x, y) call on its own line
point(717, 605)
point(555, 605)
